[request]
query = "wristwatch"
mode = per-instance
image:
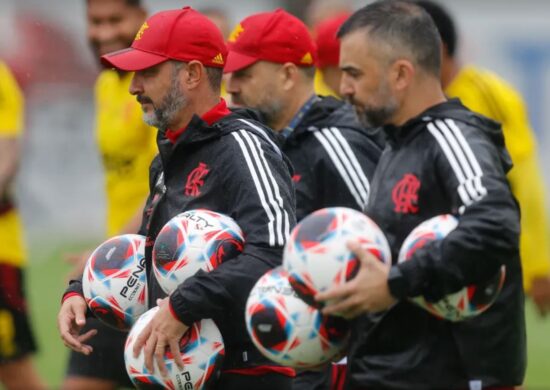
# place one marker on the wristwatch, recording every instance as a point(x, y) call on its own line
point(397, 283)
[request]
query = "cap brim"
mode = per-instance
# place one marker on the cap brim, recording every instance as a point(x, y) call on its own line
point(237, 61)
point(131, 59)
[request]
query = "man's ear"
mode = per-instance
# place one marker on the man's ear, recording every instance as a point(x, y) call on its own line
point(402, 73)
point(289, 74)
point(195, 72)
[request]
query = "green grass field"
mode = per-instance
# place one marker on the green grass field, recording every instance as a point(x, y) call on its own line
point(46, 282)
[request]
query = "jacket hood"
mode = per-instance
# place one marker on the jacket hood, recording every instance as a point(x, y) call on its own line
point(332, 112)
point(454, 109)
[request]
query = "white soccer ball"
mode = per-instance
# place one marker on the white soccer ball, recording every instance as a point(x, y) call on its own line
point(469, 301)
point(202, 352)
point(316, 255)
point(288, 331)
point(194, 240)
point(114, 281)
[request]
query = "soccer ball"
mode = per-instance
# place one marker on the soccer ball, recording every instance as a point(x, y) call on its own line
point(202, 352)
point(194, 240)
point(466, 303)
point(287, 330)
point(115, 282)
point(316, 256)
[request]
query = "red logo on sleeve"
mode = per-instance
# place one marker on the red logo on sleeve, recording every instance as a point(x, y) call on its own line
point(405, 194)
point(195, 180)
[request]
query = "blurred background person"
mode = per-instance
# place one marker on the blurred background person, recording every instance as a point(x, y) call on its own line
point(127, 146)
point(219, 17)
point(328, 51)
point(320, 10)
point(317, 14)
point(487, 93)
point(17, 342)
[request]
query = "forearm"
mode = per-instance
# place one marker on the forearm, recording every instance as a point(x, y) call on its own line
point(9, 161)
point(472, 253)
point(212, 295)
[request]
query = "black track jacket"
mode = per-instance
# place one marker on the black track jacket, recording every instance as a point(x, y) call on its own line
point(333, 158)
point(446, 160)
point(233, 167)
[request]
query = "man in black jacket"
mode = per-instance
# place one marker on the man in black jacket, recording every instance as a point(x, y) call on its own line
point(440, 158)
point(208, 158)
point(333, 155)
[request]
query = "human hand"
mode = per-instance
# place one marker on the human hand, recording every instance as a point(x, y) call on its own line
point(540, 293)
point(164, 331)
point(368, 291)
point(70, 320)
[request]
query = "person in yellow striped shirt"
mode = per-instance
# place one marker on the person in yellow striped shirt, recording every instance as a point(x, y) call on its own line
point(485, 92)
point(16, 337)
point(127, 146)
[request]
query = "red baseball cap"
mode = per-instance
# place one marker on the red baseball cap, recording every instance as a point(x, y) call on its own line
point(275, 36)
point(328, 45)
point(183, 35)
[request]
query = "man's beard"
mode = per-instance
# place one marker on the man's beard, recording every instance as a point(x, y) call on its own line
point(270, 109)
point(376, 116)
point(172, 103)
point(270, 113)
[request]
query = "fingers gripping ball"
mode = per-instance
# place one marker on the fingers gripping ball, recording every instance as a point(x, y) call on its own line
point(469, 301)
point(202, 352)
point(194, 240)
point(287, 330)
point(115, 282)
point(316, 256)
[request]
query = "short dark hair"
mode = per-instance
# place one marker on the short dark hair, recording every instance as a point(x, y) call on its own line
point(401, 25)
point(214, 77)
point(444, 23)
point(308, 71)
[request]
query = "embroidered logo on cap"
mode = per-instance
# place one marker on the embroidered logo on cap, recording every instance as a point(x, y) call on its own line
point(235, 33)
point(218, 59)
point(307, 59)
point(142, 29)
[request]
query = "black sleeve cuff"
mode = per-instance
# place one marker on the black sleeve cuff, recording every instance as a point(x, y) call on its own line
point(75, 286)
point(181, 309)
point(413, 279)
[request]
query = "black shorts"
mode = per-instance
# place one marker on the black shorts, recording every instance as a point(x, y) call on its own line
point(16, 336)
point(106, 361)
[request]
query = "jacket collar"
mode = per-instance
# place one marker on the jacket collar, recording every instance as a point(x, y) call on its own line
point(399, 134)
point(199, 127)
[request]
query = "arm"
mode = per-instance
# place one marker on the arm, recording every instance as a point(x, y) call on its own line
point(260, 198)
point(10, 152)
point(487, 235)
point(346, 162)
point(11, 126)
point(527, 183)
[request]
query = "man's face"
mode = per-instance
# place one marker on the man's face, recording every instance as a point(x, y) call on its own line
point(112, 25)
point(159, 91)
point(258, 87)
point(365, 82)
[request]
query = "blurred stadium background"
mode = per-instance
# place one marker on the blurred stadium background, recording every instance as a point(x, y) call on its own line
point(60, 185)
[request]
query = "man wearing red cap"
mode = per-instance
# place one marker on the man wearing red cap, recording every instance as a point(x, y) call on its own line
point(328, 50)
point(271, 67)
point(177, 57)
